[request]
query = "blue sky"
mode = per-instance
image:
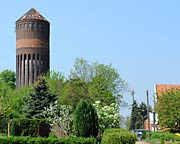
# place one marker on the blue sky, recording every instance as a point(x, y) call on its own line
point(141, 38)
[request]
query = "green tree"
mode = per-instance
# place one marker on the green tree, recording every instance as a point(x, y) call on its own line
point(98, 91)
point(55, 82)
point(85, 120)
point(14, 100)
point(8, 78)
point(39, 100)
point(73, 91)
point(11, 106)
point(139, 112)
point(142, 113)
point(5, 116)
point(7, 82)
point(133, 118)
point(3, 90)
point(103, 81)
point(143, 109)
point(168, 108)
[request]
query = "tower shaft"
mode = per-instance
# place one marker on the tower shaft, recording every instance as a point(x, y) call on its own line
point(32, 48)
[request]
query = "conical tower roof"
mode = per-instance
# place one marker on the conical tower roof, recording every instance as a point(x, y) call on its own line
point(32, 14)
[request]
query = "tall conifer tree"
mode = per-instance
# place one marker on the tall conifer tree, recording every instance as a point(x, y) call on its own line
point(39, 100)
point(134, 114)
point(85, 120)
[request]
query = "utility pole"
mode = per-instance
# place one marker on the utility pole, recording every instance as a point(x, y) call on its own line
point(154, 120)
point(154, 112)
point(148, 116)
point(132, 93)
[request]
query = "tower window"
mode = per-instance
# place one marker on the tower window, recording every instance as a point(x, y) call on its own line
point(39, 25)
point(33, 56)
point(33, 25)
point(21, 57)
point(38, 57)
point(29, 56)
point(24, 56)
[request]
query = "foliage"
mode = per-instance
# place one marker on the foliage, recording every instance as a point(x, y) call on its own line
point(61, 116)
point(55, 82)
point(90, 81)
point(108, 116)
point(73, 91)
point(127, 122)
point(103, 81)
point(133, 118)
point(11, 106)
point(139, 112)
point(26, 127)
point(3, 90)
point(8, 78)
point(174, 130)
point(52, 135)
point(14, 100)
point(40, 140)
point(7, 82)
point(118, 136)
point(69, 91)
point(85, 120)
point(164, 136)
point(168, 109)
point(143, 109)
point(5, 116)
point(39, 100)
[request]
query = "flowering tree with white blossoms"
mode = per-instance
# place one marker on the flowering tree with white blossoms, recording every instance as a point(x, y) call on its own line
point(60, 117)
point(108, 116)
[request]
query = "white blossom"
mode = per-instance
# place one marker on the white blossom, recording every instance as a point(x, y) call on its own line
point(108, 116)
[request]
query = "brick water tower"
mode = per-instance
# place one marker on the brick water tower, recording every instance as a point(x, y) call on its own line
point(32, 47)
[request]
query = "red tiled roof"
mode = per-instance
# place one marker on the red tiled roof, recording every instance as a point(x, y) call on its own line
point(32, 14)
point(164, 87)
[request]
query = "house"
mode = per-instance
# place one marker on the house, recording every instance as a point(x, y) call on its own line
point(153, 117)
point(159, 89)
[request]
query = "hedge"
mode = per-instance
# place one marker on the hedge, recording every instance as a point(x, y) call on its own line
point(40, 140)
point(118, 136)
point(165, 136)
point(29, 127)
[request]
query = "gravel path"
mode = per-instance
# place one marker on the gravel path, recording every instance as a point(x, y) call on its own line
point(141, 142)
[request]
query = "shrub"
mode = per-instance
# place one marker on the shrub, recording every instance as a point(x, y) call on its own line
point(118, 136)
point(165, 136)
point(3, 125)
point(29, 127)
point(52, 135)
point(40, 140)
point(174, 130)
point(108, 116)
point(85, 120)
